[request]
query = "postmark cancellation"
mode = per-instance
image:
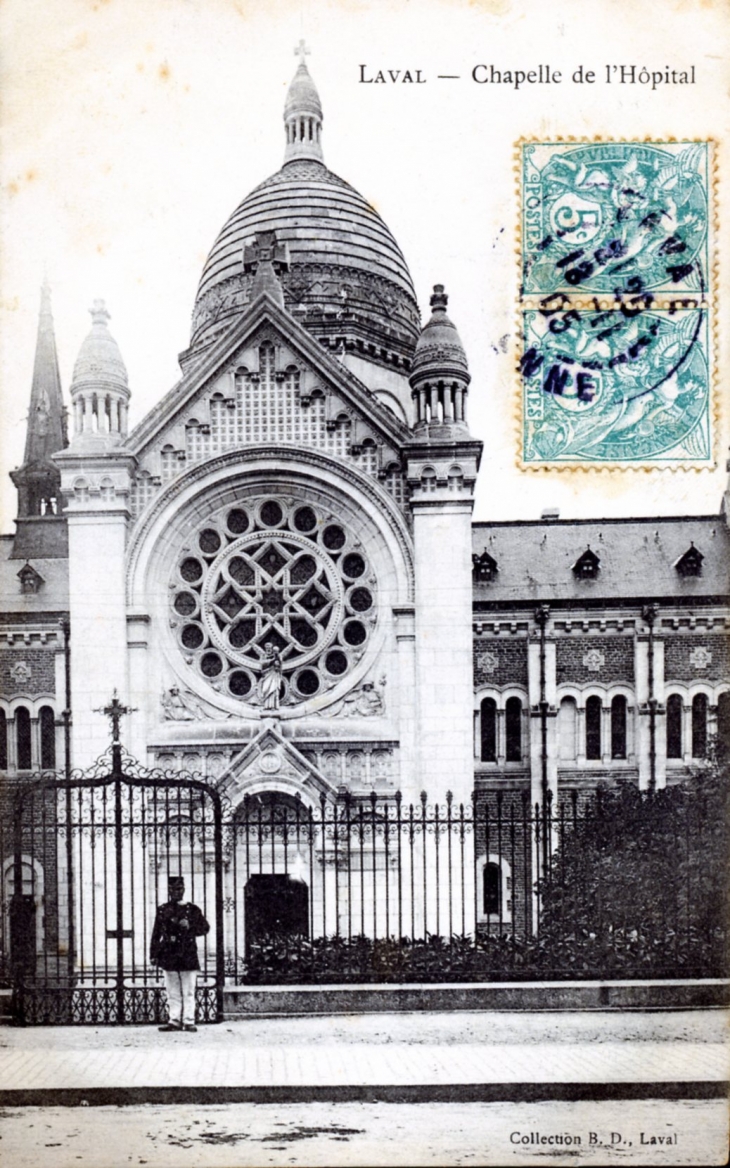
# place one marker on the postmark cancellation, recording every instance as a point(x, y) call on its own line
point(616, 304)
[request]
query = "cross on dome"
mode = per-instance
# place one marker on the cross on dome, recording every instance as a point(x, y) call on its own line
point(303, 114)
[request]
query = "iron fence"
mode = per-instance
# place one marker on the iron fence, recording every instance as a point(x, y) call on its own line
point(347, 890)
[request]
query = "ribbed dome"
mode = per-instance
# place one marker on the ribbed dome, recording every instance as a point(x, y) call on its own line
point(346, 272)
point(439, 351)
point(99, 363)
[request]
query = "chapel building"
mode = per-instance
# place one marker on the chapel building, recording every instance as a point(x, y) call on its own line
point(277, 568)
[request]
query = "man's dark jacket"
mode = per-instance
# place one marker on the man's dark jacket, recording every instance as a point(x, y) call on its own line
point(171, 947)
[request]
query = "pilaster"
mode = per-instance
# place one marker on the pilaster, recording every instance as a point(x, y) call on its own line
point(95, 488)
point(542, 691)
point(441, 476)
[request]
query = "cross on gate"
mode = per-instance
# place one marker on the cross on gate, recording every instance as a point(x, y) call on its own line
point(115, 711)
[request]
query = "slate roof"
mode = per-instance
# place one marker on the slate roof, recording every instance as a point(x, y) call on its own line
point(53, 596)
point(637, 559)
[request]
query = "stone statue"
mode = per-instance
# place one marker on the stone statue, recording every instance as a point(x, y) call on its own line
point(182, 706)
point(271, 678)
point(177, 707)
point(366, 701)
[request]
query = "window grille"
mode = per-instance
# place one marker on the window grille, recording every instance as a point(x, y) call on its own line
point(168, 463)
point(395, 484)
point(143, 488)
point(368, 457)
point(195, 443)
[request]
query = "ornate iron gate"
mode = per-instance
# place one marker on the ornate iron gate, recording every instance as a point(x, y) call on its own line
point(92, 856)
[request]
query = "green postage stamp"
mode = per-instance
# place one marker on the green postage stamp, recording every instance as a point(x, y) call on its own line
point(616, 301)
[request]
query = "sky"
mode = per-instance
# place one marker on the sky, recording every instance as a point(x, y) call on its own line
point(131, 129)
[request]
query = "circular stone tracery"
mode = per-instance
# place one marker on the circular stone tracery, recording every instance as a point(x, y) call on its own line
point(260, 573)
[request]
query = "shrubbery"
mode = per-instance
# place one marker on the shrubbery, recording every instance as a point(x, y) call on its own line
point(637, 889)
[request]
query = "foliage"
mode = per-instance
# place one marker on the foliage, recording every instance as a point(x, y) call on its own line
point(637, 887)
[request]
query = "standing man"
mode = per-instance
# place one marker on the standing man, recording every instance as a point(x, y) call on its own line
point(174, 949)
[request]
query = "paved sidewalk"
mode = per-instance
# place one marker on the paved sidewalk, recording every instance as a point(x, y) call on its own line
point(682, 1054)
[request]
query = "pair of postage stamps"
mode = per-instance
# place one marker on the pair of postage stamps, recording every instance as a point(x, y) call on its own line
point(616, 304)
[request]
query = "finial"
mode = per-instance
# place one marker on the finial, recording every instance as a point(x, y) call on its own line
point(115, 711)
point(303, 114)
point(99, 314)
point(439, 300)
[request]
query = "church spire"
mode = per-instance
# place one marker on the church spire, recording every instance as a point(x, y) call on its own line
point(303, 114)
point(46, 419)
point(38, 480)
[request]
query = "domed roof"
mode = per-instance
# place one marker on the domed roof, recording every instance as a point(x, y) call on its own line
point(99, 363)
point(345, 267)
point(439, 351)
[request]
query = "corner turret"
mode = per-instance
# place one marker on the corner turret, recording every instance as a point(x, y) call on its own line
point(439, 373)
point(99, 389)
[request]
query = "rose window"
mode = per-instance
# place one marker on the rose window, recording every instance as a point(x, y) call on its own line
point(264, 574)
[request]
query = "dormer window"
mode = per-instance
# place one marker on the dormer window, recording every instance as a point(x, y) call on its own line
point(30, 580)
point(588, 566)
point(484, 567)
point(690, 563)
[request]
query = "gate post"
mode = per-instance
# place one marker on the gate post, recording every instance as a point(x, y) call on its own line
point(219, 939)
point(115, 711)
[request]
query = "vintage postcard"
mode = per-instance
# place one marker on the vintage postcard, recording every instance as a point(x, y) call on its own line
point(364, 563)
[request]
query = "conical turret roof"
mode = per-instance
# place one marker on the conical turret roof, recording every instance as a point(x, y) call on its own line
point(99, 363)
point(302, 96)
point(439, 350)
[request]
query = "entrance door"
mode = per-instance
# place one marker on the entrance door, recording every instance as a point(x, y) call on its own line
point(276, 907)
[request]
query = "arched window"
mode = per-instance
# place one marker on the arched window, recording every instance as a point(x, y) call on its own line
point(3, 741)
point(489, 730)
point(699, 726)
point(674, 726)
point(723, 719)
point(48, 738)
point(22, 738)
point(618, 727)
point(513, 729)
point(491, 889)
point(593, 727)
point(567, 729)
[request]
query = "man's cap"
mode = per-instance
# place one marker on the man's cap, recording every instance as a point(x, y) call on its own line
point(175, 881)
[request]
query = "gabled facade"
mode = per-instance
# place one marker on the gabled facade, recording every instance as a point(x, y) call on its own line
point(277, 567)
